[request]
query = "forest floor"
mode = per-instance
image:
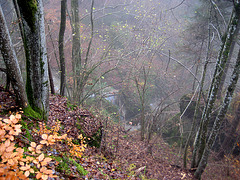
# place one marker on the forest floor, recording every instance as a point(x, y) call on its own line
point(122, 154)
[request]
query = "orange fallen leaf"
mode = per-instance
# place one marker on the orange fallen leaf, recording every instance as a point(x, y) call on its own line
point(33, 144)
point(45, 136)
point(10, 148)
point(48, 171)
point(39, 175)
point(44, 177)
point(41, 157)
point(43, 142)
point(7, 143)
point(27, 173)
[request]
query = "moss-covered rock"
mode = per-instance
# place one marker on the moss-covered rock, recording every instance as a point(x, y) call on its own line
point(171, 130)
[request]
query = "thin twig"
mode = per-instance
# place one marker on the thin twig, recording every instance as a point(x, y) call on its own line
point(176, 6)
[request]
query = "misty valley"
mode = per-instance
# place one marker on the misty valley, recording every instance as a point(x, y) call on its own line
point(119, 89)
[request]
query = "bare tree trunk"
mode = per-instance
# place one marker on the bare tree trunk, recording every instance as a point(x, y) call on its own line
point(76, 46)
point(37, 86)
point(80, 64)
point(219, 118)
point(142, 96)
point(196, 111)
point(228, 63)
point(11, 62)
point(51, 79)
point(61, 46)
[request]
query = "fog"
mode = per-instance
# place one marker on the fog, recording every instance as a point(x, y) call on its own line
point(155, 47)
point(166, 69)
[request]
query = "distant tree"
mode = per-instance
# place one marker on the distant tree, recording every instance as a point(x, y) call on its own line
point(61, 46)
point(76, 49)
point(141, 91)
point(82, 66)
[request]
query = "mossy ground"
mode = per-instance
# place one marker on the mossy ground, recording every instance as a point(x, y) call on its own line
point(28, 111)
point(65, 164)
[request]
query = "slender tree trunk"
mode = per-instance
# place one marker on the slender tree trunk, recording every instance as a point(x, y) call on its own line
point(228, 63)
point(80, 65)
point(37, 85)
point(51, 79)
point(142, 120)
point(193, 163)
point(219, 118)
point(11, 62)
point(142, 95)
point(76, 47)
point(61, 46)
point(198, 64)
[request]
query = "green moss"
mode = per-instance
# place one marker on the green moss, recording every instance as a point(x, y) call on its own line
point(26, 127)
point(80, 169)
point(65, 163)
point(28, 10)
point(28, 111)
point(224, 36)
point(71, 106)
point(42, 66)
point(45, 83)
point(34, 112)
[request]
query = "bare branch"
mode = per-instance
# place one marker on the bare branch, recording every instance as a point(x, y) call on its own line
point(220, 13)
point(176, 6)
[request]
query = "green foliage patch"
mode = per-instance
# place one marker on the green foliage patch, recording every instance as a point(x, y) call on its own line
point(65, 164)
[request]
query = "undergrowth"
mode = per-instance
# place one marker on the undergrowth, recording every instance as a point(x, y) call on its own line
point(37, 153)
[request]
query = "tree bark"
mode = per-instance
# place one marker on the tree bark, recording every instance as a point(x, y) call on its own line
point(11, 62)
point(76, 47)
point(61, 46)
point(228, 63)
point(37, 85)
